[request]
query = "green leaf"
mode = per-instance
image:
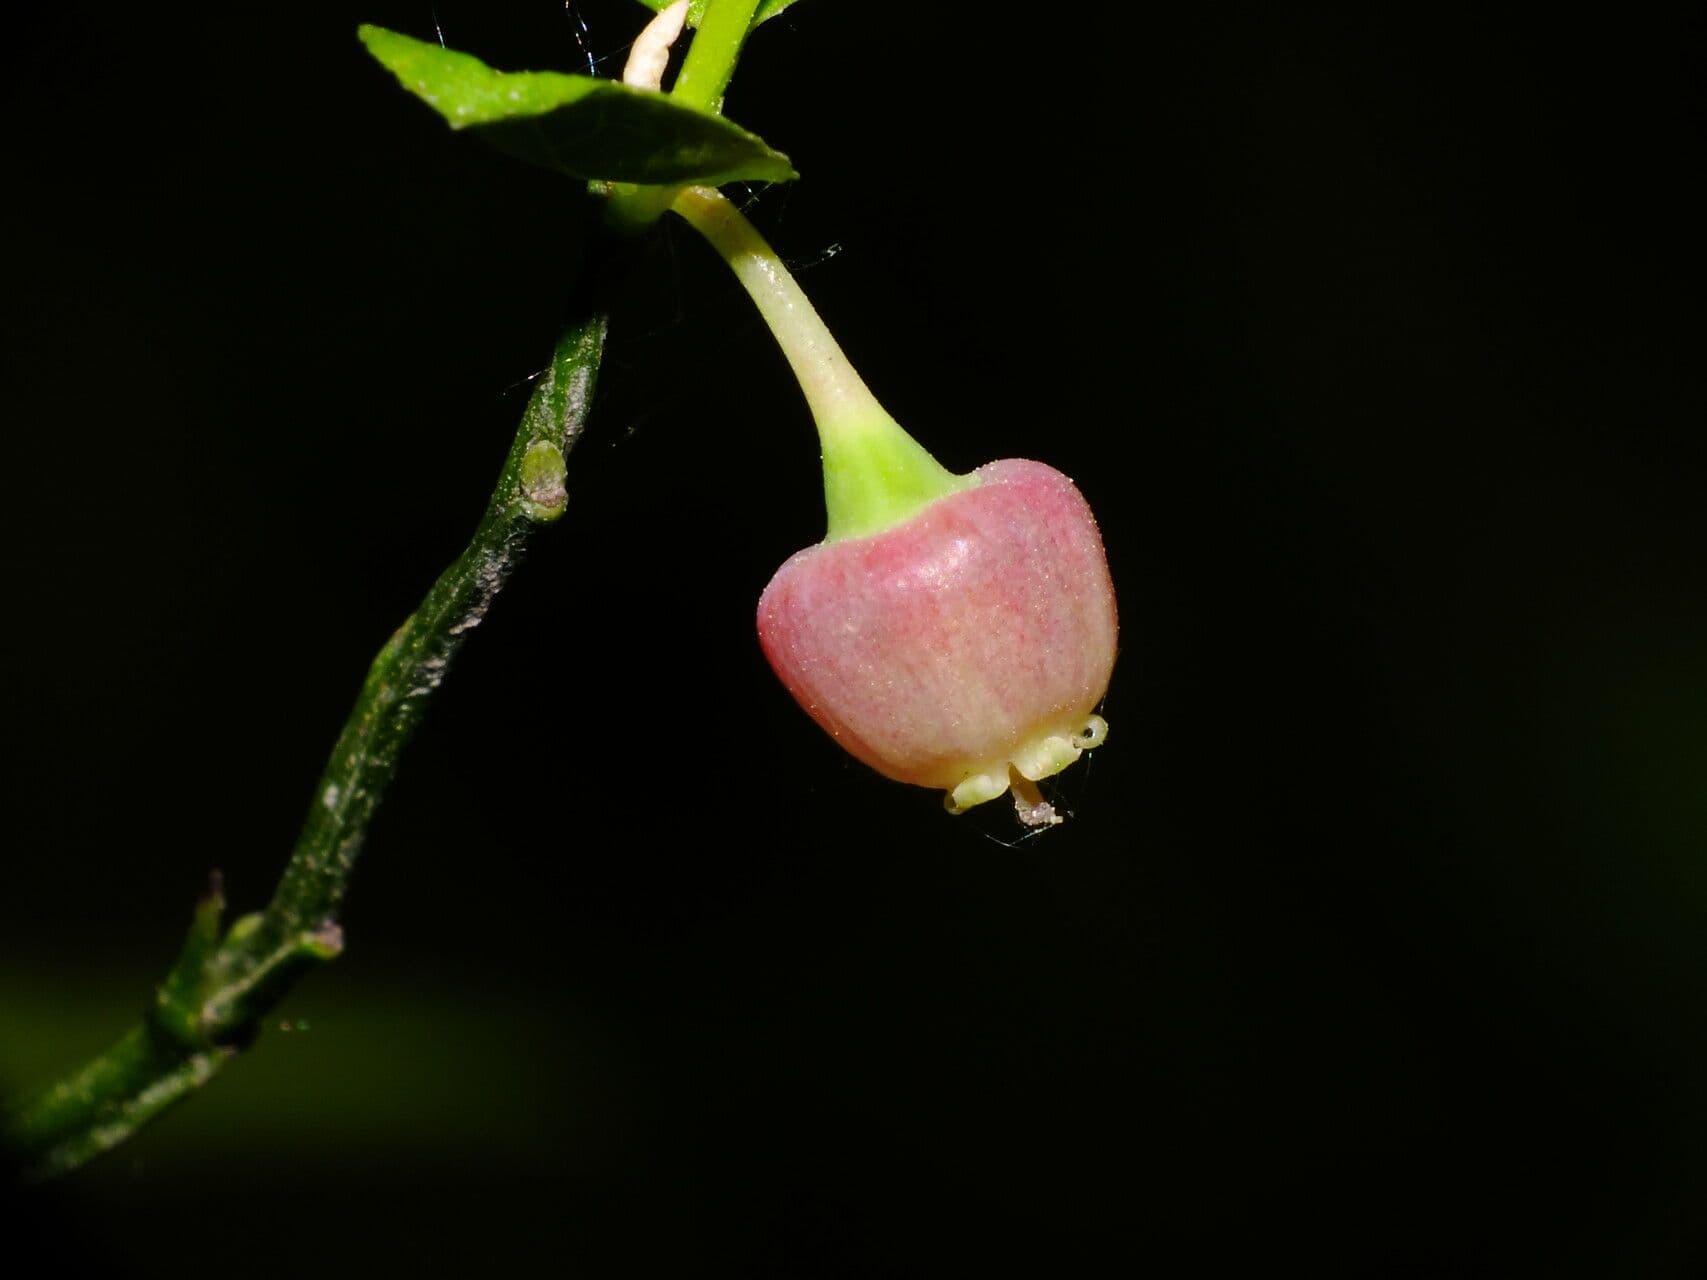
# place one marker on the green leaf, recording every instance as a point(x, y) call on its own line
point(696, 9)
point(579, 125)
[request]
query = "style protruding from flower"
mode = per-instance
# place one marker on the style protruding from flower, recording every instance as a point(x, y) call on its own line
point(951, 631)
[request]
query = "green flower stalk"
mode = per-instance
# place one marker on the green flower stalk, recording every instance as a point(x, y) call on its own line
point(874, 472)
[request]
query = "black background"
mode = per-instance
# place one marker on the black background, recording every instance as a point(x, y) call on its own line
point(1378, 940)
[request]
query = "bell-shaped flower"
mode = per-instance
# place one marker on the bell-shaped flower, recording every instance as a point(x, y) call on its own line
point(951, 631)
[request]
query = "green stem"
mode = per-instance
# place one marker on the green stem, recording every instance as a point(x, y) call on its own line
point(213, 1000)
point(712, 56)
point(875, 474)
point(701, 82)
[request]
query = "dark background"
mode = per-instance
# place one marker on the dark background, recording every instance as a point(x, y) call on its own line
point(1377, 942)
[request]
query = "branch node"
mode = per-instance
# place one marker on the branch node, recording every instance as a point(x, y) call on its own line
point(543, 488)
point(324, 943)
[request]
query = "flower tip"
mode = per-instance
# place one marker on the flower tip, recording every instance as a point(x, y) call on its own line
point(1035, 760)
point(1092, 735)
point(979, 789)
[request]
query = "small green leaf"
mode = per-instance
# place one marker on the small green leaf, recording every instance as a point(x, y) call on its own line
point(579, 125)
point(696, 9)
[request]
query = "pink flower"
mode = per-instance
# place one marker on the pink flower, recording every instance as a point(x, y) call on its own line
point(950, 631)
point(965, 647)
